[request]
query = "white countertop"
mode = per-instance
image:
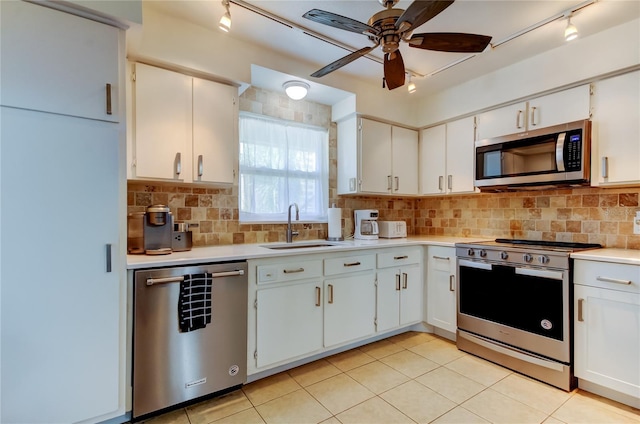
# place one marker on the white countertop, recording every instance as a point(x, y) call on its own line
point(254, 251)
point(621, 256)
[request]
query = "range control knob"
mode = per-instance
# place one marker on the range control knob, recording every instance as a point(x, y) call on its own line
point(470, 252)
point(543, 259)
point(483, 253)
point(527, 257)
point(504, 255)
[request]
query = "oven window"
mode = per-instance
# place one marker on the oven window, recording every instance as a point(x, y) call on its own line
point(532, 304)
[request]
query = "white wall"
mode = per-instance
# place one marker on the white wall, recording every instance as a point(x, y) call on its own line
point(580, 60)
point(170, 40)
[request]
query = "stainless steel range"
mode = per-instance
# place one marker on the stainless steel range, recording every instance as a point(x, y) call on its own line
point(515, 306)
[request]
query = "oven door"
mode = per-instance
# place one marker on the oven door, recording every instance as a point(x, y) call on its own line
point(525, 307)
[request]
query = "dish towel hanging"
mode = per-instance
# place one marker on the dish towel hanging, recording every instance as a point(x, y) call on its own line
point(194, 302)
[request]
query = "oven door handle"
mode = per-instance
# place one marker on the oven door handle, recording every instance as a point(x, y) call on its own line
point(553, 275)
point(477, 265)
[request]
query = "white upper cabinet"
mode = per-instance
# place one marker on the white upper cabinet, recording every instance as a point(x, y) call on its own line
point(615, 142)
point(375, 157)
point(69, 72)
point(185, 128)
point(545, 111)
point(447, 158)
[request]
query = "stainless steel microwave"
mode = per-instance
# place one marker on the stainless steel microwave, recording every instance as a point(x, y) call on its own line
point(552, 156)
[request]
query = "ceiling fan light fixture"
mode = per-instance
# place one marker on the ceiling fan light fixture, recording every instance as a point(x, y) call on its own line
point(225, 21)
point(570, 32)
point(296, 90)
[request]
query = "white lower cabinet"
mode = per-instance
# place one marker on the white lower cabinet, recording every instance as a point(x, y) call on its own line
point(399, 288)
point(607, 326)
point(441, 287)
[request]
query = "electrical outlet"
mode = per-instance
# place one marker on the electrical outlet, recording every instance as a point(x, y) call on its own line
point(636, 223)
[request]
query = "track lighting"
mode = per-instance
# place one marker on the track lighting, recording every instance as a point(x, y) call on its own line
point(225, 20)
point(296, 90)
point(411, 87)
point(571, 32)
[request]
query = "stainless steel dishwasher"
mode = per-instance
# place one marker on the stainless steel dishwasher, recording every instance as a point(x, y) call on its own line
point(172, 365)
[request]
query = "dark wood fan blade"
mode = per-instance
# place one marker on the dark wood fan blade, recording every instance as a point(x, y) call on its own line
point(420, 11)
point(450, 42)
point(394, 70)
point(338, 21)
point(341, 62)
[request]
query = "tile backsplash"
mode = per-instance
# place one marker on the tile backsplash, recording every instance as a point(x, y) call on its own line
point(593, 215)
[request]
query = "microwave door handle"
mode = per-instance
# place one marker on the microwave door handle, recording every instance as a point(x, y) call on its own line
point(560, 152)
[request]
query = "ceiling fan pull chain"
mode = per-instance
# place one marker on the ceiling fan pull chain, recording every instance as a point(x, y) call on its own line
point(383, 80)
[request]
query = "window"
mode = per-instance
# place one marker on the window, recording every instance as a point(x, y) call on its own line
point(282, 162)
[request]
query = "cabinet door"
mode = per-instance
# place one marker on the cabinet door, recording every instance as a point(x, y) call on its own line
point(559, 108)
point(388, 299)
point(56, 62)
point(411, 295)
point(289, 322)
point(405, 160)
point(349, 308)
point(441, 286)
point(432, 160)
point(375, 157)
point(162, 133)
point(460, 156)
point(607, 338)
point(502, 121)
point(214, 132)
point(616, 133)
point(60, 303)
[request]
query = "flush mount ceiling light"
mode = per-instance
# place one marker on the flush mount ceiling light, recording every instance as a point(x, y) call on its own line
point(225, 20)
point(411, 87)
point(296, 90)
point(571, 32)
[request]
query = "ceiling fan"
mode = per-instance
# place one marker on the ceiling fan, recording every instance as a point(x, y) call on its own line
point(388, 27)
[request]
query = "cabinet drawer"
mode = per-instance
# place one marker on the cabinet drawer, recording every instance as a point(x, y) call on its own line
point(278, 273)
point(622, 277)
point(345, 264)
point(400, 257)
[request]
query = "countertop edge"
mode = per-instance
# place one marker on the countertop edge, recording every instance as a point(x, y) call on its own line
point(613, 255)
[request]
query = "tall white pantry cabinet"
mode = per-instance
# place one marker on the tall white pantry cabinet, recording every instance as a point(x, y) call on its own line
point(63, 191)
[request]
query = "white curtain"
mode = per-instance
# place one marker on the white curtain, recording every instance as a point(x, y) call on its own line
point(282, 163)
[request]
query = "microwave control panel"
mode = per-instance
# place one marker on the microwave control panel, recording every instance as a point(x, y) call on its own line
point(573, 151)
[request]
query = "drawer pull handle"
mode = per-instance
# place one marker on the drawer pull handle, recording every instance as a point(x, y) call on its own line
point(293, 271)
point(452, 283)
point(397, 258)
point(317, 296)
point(330, 286)
point(613, 280)
point(405, 277)
point(442, 258)
point(580, 308)
point(353, 264)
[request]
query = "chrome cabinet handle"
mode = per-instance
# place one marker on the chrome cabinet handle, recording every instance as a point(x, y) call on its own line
point(330, 286)
point(318, 296)
point(518, 116)
point(613, 280)
point(108, 257)
point(450, 182)
point(605, 167)
point(108, 88)
point(388, 182)
point(580, 310)
point(180, 278)
point(533, 115)
point(353, 264)
point(397, 179)
point(440, 179)
point(178, 164)
point(442, 258)
point(405, 277)
point(200, 166)
point(398, 282)
point(398, 258)
point(293, 271)
point(452, 283)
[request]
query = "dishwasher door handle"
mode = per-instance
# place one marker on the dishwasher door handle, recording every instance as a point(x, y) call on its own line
point(166, 280)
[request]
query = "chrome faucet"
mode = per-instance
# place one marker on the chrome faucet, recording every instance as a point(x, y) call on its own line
point(291, 233)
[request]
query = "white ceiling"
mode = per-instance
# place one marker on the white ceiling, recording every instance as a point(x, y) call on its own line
point(499, 19)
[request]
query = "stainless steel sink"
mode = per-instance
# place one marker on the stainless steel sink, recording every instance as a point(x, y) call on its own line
point(299, 245)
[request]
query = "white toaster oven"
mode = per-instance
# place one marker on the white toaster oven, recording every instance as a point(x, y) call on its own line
point(392, 229)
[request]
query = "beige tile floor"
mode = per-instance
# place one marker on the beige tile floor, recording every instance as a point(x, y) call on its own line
point(408, 378)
